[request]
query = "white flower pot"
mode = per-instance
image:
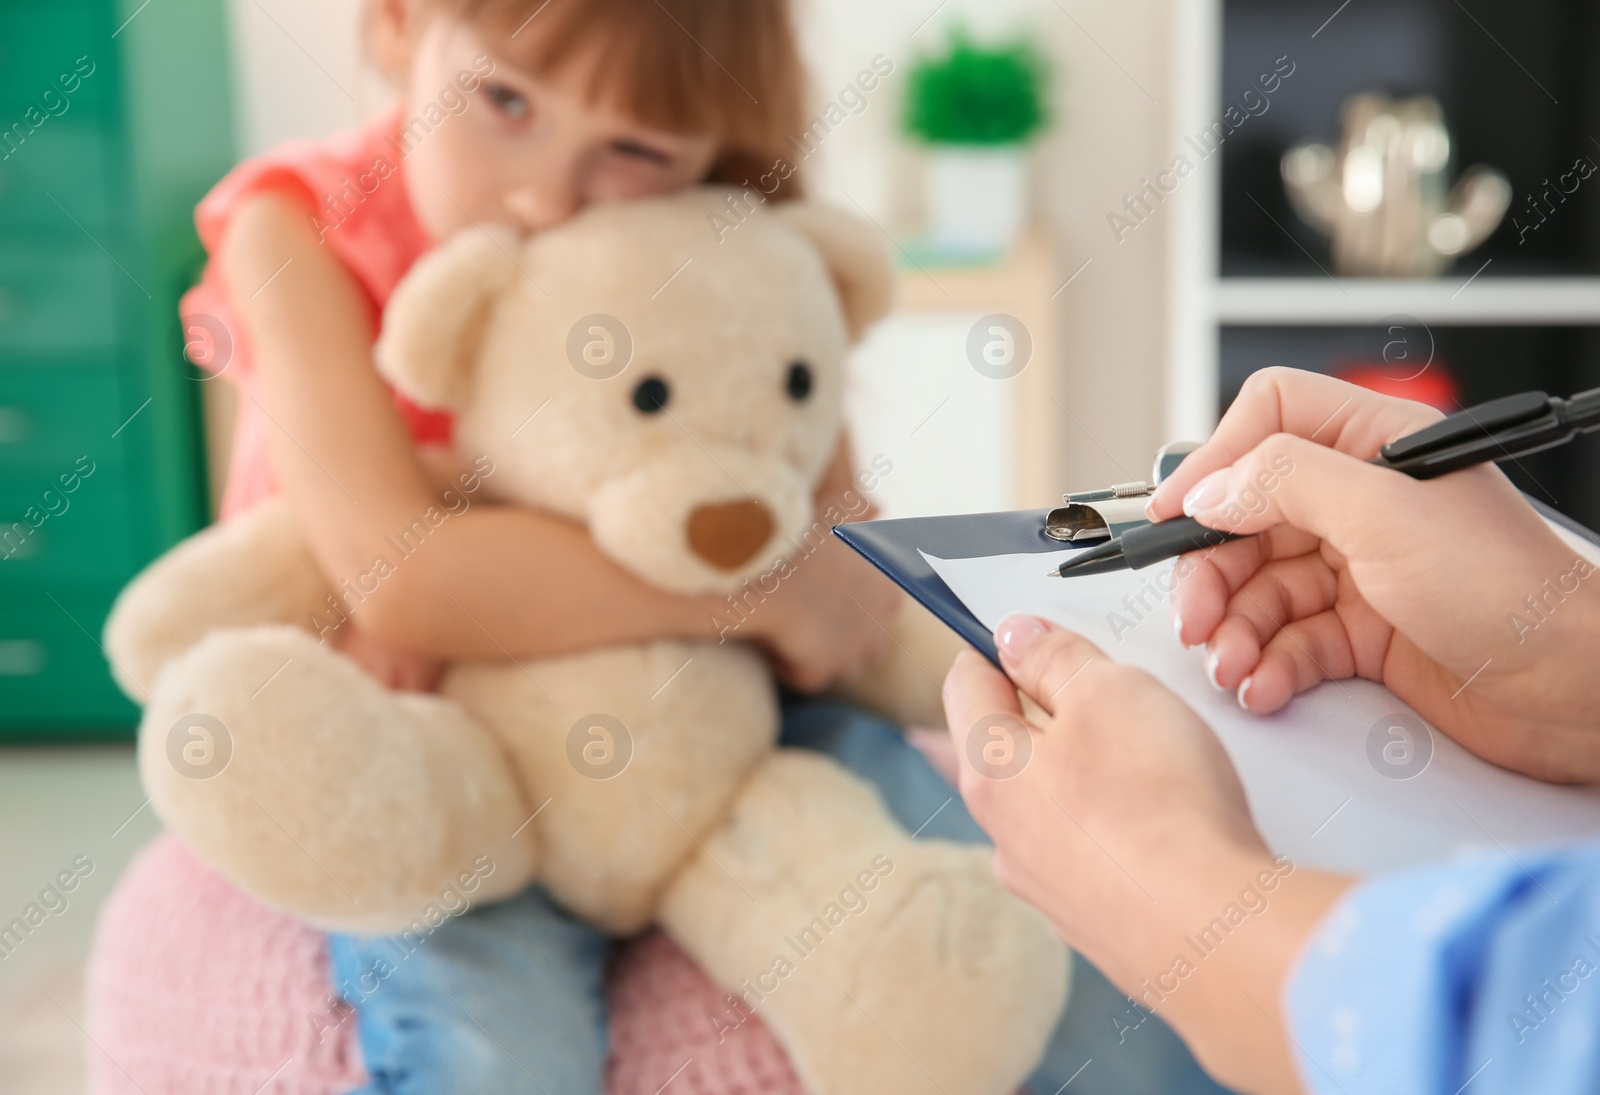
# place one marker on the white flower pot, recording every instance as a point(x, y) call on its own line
point(977, 197)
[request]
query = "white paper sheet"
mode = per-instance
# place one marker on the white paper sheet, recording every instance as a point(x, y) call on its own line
point(1317, 794)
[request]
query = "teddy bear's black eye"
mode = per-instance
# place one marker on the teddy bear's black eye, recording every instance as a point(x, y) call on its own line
point(798, 382)
point(650, 394)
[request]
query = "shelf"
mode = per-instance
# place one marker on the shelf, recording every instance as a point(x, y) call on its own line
point(1465, 301)
point(925, 286)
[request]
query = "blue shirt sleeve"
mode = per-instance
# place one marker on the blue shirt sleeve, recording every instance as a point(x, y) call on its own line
point(1474, 978)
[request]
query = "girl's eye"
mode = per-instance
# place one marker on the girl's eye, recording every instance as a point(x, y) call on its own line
point(650, 394)
point(513, 104)
point(798, 383)
point(637, 151)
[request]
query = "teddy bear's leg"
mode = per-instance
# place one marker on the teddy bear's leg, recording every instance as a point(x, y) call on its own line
point(313, 788)
point(886, 967)
point(630, 756)
point(254, 569)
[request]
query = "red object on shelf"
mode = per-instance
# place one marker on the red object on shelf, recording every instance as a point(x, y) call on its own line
point(1433, 385)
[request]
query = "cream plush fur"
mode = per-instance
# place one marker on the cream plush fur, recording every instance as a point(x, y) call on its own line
point(884, 966)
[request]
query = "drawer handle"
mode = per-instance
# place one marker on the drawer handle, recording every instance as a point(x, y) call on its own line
point(18, 540)
point(13, 425)
point(22, 658)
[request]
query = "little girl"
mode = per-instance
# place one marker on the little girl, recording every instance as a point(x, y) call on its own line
point(513, 112)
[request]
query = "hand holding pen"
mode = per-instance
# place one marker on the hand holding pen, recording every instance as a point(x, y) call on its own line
point(1502, 429)
point(1453, 592)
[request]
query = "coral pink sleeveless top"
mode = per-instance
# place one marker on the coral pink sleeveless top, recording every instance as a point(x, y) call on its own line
point(354, 194)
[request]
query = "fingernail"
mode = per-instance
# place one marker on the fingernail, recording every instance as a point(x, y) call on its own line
point(1150, 508)
point(1244, 690)
point(1206, 493)
point(1017, 635)
point(1177, 629)
point(1213, 663)
point(1163, 490)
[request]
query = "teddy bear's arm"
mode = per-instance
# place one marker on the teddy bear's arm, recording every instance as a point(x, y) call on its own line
point(252, 569)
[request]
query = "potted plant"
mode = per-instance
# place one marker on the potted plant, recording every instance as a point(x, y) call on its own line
point(976, 107)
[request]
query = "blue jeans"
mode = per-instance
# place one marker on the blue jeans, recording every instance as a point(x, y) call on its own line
point(508, 999)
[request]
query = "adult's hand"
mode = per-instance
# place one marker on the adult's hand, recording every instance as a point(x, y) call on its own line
point(1452, 592)
point(1119, 815)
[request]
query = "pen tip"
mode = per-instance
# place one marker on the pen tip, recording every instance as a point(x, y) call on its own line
point(1091, 561)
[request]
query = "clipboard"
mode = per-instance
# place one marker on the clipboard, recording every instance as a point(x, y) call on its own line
point(1322, 782)
point(896, 546)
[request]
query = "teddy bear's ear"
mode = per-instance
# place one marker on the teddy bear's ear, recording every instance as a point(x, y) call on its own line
point(434, 319)
point(860, 267)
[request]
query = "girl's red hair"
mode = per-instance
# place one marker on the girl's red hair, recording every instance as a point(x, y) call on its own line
point(730, 68)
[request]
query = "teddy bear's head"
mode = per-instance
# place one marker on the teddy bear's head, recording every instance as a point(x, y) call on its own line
point(674, 383)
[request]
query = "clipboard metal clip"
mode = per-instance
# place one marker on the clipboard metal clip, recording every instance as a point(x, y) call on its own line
point(1089, 517)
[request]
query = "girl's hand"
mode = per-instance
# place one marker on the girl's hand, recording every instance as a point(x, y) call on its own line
point(828, 619)
point(1119, 815)
point(1452, 592)
point(392, 666)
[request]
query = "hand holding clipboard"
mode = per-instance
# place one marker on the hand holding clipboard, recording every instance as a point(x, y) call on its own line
point(971, 571)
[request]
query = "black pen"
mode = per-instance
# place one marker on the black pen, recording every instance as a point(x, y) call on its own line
point(1498, 430)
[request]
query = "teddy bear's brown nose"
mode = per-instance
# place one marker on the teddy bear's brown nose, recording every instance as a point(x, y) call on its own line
point(727, 534)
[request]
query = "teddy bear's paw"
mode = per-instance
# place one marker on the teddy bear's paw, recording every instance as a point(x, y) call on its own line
point(254, 569)
point(313, 788)
point(963, 979)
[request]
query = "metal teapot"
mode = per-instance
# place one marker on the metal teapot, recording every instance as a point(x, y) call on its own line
point(1383, 197)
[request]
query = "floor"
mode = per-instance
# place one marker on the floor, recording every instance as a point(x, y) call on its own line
point(55, 806)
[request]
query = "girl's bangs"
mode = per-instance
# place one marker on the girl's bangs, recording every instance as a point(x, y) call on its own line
point(729, 68)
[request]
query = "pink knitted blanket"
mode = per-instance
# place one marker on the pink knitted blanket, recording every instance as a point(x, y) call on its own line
point(195, 989)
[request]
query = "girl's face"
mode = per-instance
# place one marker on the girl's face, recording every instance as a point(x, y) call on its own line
point(518, 149)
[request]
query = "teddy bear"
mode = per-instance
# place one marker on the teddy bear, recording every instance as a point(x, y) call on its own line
point(678, 393)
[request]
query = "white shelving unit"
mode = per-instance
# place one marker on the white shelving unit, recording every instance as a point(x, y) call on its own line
point(1479, 301)
point(1200, 302)
point(1195, 239)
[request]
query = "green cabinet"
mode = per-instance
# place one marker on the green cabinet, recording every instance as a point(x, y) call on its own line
point(115, 118)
